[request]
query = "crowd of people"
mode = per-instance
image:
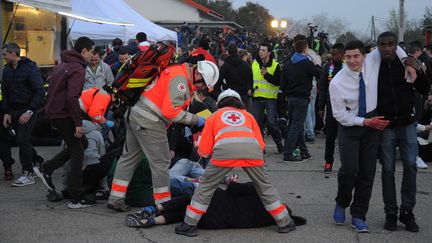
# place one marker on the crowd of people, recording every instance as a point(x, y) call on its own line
point(206, 112)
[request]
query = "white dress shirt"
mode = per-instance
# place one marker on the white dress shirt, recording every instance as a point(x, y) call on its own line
point(344, 89)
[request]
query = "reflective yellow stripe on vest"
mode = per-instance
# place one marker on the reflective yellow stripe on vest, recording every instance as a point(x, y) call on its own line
point(263, 88)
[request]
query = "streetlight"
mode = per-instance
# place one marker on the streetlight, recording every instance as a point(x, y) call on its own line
point(274, 23)
point(283, 24)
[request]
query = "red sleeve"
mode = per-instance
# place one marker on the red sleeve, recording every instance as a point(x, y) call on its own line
point(98, 107)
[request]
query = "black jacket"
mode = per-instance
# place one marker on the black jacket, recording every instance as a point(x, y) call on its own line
point(323, 85)
point(22, 88)
point(237, 75)
point(296, 80)
point(395, 95)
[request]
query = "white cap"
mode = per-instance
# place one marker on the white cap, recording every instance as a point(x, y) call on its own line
point(228, 93)
point(209, 72)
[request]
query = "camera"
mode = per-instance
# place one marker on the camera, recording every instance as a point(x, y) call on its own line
point(323, 35)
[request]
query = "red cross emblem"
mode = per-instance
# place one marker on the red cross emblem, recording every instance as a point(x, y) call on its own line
point(233, 118)
point(181, 87)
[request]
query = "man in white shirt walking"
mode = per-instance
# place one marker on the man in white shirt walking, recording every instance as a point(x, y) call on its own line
point(354, 99)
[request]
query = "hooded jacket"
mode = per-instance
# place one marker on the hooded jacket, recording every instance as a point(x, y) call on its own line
point(65, 85)
point(297, 76)
point(22, 87)
point(96, 144)
point(237, 75)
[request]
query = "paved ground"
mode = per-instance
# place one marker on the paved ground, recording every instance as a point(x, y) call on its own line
point(26, 216)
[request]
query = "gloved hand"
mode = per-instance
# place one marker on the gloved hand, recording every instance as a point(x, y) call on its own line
point(109, 124)
point(201, 121)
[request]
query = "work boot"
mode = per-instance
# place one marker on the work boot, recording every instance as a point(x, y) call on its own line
point(119, 207)
point(187, 230)
point(287, 228)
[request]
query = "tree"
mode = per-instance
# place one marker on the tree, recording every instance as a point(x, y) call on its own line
point(254, 17)
point(334, 26)
point(427, 17)
point(345, 38)
point(223, 7)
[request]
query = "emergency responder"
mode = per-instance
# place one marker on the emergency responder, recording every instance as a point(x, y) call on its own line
point(163, 102)
point(232, 138)
point(95, 102)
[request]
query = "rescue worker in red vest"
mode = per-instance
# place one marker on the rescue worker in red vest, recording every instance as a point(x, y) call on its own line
point(232, 138)
point(95, 102)
point(163, 102)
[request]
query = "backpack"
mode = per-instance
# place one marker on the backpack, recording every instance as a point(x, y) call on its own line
point(140, 71)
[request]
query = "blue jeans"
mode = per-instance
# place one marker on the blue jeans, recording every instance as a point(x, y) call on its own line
point(185, 168)
point(310, 117)
point(268, 108)
point(405, 138)
point(297, 109)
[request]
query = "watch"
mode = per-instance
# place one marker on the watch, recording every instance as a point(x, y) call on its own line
point(29, 112)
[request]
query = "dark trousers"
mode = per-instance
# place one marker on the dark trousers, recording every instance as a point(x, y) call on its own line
point(297, 110)
point(331, 135)
point(22, 137)
point(5, 147)
point(267, 109)
point(74, 151)
point(358, 154)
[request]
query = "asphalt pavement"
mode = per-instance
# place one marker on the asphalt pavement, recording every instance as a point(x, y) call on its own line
point(26, 215)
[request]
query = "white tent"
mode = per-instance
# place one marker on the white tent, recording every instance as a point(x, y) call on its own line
point(120, 10)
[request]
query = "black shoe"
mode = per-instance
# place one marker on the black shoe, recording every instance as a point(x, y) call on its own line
point(66, 194)
point(287, 228)
point(280, 148)
point(292, 159)
point(390, 222)
point(45, 177)
point(328, 168)
point(54, 196)
point(407, 218)
point(102, 194)
point(305, 157)
point(187, 230)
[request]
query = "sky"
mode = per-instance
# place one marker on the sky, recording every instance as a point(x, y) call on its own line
point(357, 13)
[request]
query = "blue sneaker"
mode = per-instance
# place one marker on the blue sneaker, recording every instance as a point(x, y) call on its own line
point(359, 225)
point(339, 215)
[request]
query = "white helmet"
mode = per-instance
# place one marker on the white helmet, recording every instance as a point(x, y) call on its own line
point(209, 72)
point(228, 93)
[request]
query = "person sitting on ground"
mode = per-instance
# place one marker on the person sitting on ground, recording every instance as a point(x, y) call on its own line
point(240, 201)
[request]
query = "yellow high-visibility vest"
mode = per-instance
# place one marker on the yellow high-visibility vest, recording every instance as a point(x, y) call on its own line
point(261, 87)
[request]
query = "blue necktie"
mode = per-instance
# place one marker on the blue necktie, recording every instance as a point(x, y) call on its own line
point(362, 97)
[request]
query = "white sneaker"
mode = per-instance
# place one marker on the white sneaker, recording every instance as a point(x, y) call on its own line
point(420, 163)
point(27, 178)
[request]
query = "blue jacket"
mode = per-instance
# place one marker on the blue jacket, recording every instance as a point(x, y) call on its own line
point(22, 88)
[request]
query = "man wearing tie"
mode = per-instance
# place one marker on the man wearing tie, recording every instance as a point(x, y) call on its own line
point(353, 98)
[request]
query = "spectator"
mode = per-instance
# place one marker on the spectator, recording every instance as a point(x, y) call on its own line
point(22, 94)
point(141, 40)
point(63, 110)
point(296, 83)
point(266, 77)
point(324, 106)
point(112, 53)
point(98, 73)
point(237, 75)
point(202, 49)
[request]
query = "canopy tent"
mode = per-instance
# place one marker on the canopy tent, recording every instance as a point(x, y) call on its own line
point(61, 7)
point(116, 9)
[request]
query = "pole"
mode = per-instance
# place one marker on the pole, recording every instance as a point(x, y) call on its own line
point(373, 30)
point(401, 20)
